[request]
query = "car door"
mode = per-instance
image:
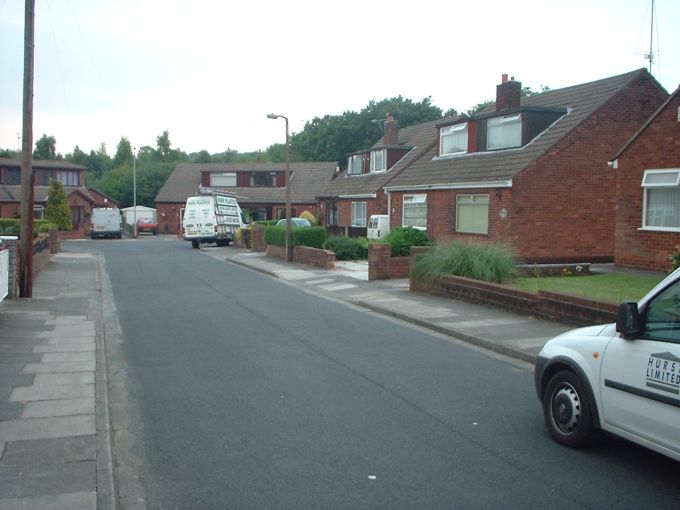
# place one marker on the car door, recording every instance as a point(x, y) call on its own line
point(640, 378)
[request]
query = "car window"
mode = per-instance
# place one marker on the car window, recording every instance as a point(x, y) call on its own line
point(662, 320)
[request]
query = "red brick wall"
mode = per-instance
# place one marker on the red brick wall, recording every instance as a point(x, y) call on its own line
point(167, 215)
point(376, 205)
point(658, 147)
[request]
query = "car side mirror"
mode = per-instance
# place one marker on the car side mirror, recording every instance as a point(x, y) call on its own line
point(628, 320)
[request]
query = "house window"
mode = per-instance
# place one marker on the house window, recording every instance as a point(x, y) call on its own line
point(504, 132)
point(378, 161)
point(223, 179)
point(68, 178)
point(331, 212)
point(453, 139)
point(661, 200)
point(415, 211)
point(265, 179)
point(354, 164)
point(38, 212)
point(13, 176)
point(472, 214)
point(358, 214)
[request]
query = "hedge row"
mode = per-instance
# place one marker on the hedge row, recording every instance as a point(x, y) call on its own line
point(313, 237)
point(12, 227)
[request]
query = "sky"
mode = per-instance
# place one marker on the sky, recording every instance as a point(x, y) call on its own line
point(209, 71)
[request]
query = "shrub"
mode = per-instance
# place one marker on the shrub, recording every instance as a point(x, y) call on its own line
point(12, 227)
point(305, 236)
point(401, 239)
point(490, 263)
point(309, 217)
point(675, 259)
point(347, 248)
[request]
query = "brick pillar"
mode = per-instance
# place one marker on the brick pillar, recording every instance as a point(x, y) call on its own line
point(379, 255)
point(259, 243)
point(53, 240)
point(13, 285)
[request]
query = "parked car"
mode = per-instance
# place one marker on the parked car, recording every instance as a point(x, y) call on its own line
point(147, 225)
point(295, 222)
point(622, 378)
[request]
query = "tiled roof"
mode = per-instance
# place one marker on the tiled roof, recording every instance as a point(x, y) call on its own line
point(40, 163)
point(12, 193)
point(580, 101)
point(306, 181)
point(417, 137)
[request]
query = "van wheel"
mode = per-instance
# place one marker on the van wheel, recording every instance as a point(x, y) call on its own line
point(194, 244)
point(567, 410)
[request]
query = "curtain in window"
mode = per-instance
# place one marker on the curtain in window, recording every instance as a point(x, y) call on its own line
point(415, 211)
point(454, 139)
point(223, 179)
point(358, 214)
point(472, 214)
point(503, 132)
point(663, 207)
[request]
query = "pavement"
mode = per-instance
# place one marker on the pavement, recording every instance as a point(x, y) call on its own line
point(55, 427)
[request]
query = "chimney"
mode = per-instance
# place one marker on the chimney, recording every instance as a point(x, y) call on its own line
point(390, 131)
point(508, 94)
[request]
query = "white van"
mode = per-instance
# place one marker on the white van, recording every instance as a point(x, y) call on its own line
point(213, 217)
point(623, 378)
point(106, 222)
point(378, 226)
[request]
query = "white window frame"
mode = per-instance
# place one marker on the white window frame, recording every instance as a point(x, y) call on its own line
point(473, 196)
point(38, 212)
point(455, 131)
point(351, 163)
point(382, 160)
point(500, 123)
point(668, 178)
point(358, 214)
point(413, 202)
point(222, 176)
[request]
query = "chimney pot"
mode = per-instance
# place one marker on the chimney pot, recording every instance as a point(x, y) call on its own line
point(508, 94)
point(504, 78)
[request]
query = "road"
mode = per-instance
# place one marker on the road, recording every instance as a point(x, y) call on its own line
point(245, 392)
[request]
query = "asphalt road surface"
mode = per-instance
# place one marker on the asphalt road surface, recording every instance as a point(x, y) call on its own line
point(248, 393)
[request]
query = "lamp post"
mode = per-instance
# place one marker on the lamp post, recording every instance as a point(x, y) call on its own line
point(289, 243)
point(134, 193)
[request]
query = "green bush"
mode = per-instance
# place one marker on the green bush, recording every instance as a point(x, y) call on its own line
point(309, 216)
point(490, 263)
point(401, 239)
point(313, 237)
point(266, 223)
point(12, 227)
point(347, 248)
point(675, 259)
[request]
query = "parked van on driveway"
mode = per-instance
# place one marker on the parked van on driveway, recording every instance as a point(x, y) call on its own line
point(106, 222)
point(378, 226)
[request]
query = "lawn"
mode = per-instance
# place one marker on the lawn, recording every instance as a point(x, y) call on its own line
point(611, 287)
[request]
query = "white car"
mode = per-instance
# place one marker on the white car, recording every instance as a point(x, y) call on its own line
point(622, 378)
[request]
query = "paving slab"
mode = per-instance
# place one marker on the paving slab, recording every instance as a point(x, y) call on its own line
point(47, 479)
point(65, 407)
point(65, 347)
point(67, 378)
point(75, 501)
point(46, 428)
point(50, 451)
point(51, 392)
point(53, 368)
point(62, 357)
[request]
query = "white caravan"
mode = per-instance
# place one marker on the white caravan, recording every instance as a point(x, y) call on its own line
point(212, 217)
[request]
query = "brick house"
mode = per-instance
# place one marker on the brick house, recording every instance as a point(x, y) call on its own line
point(102, 199)
point(352, 197)
point(648, 192)
point(80, 200)
point(529, 172)
point(260, 188)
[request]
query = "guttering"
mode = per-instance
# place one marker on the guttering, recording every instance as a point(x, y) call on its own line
point(364, 195)
point(452, 185)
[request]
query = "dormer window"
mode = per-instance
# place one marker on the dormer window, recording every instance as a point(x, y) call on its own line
point(453, 139)
point(223, 179)
point(378, 163)
point(504, 132)
point(354, 164)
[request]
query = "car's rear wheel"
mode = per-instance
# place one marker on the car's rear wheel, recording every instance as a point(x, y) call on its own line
point(194, 243)
point(567, 410)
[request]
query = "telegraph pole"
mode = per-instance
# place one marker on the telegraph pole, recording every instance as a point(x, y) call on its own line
point(26, 231)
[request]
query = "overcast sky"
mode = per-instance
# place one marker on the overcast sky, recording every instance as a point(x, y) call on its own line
point(209, 71)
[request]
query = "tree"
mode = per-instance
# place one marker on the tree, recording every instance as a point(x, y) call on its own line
point(45, 148)
point(163, 145)
point(57, 210)
point(123, 153)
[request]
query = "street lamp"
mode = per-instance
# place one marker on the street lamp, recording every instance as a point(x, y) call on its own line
point(289, 243)
point(134, 194)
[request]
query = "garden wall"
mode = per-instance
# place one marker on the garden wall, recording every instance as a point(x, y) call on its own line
point(325, 259)
point(382, 266)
